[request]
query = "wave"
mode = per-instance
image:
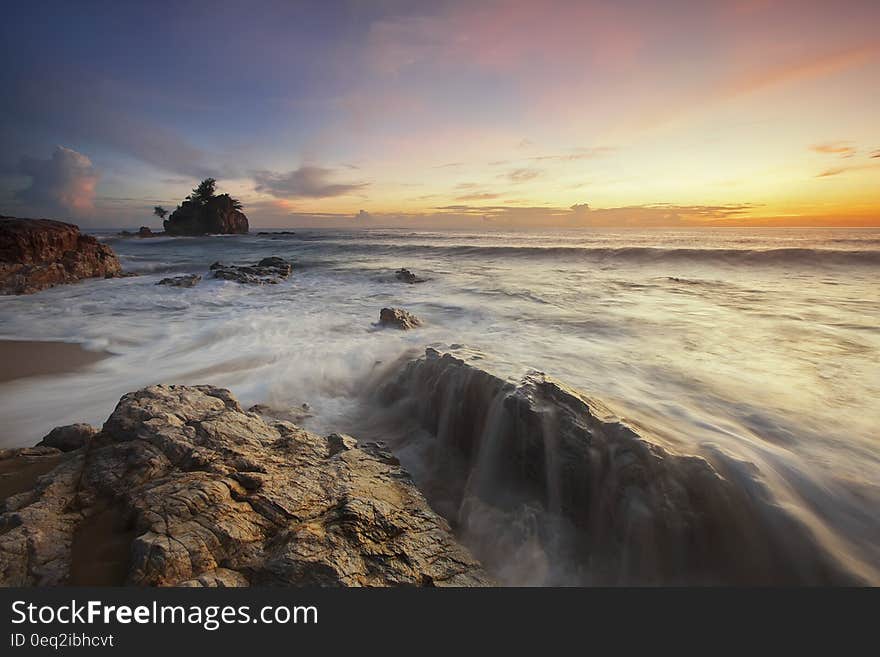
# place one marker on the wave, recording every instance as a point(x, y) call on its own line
point(634, 254)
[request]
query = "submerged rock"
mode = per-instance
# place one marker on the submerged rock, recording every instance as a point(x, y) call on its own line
point(181, 487)
point(547, 487)
point(406, 276)
point(40, 253)
point(267, 271)
point(398, 318)
point(188, 280)
point(217, 216)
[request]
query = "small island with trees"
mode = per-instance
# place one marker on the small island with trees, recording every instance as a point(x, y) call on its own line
point(204, 212)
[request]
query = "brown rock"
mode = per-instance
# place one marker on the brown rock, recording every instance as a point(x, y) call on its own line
point(68, 438)
point(204, 494)
point(40, 253)
point(398, 318)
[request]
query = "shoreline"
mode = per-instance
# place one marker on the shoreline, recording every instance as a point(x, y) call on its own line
point(24, 359)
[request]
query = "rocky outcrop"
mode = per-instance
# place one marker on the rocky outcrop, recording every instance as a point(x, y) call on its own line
point(267, 271)
point(406, 276)
point(398, 318)
point(217, 216)
point(188, 280)
point(39, 253)
point(547, 487)
point(182, 487)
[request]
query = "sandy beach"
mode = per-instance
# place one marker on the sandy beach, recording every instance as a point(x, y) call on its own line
point(25, 358)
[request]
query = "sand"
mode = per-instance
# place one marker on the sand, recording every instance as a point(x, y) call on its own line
point(24, 358)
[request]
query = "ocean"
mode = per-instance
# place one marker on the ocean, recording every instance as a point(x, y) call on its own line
point(759, 346)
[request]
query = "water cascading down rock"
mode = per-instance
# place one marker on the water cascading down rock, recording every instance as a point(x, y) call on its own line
point(547, 488)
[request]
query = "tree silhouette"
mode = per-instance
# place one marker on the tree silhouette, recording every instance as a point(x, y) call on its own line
point(204, 192)
point(160, 212)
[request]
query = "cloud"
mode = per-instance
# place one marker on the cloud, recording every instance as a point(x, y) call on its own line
point(875, 154)
point(65, 182)
point(522, 175)
point(836, 171)
point(841, 148)
point(577, 154)
point(305, 182)
point(477, 196)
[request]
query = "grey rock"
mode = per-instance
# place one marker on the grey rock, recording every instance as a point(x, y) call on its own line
point(189, 280)
point(406, 276)
point(267, 271)
point(533, 468)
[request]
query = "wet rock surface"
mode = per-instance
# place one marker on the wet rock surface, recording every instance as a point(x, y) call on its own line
point(189, 280)
point(39, 253)
point(398, 318)
point(547, 487)
point(182, 487)
point(268, 271)
point(406, 276)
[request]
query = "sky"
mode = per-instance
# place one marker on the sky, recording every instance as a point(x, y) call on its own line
point(509, 113)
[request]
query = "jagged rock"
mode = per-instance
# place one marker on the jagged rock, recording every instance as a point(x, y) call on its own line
point(267, 271)
point(406, 276)
point(340, 442)
point(398, 318)
point(547, 486)
point(217, 216)
point(40, 253)
point(189, 280)
point(68, 438)
point(182, 487)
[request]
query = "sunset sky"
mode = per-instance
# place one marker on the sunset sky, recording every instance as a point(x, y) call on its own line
point(630, 113)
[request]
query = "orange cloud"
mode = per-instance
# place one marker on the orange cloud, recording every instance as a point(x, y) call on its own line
point(841, 148)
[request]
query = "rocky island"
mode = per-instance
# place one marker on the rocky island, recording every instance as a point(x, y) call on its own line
point(39, 253)
point(206, 213)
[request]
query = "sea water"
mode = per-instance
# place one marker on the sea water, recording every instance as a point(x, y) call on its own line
point(759, 344)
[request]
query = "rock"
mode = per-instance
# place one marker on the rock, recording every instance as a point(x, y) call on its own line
point(217, 216)
point(189, 280)
point(549, 488)
point(340, 442)
point(183, 488)
point(68, 438)
point(40, 253)
point(398, 318)
point(267, 271)
point(406, 276)
point(295, 415)
point(144, 231)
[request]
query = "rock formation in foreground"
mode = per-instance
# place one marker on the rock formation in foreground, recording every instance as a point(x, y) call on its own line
point(182, 487)
point(547, 488)
point(39, 253)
